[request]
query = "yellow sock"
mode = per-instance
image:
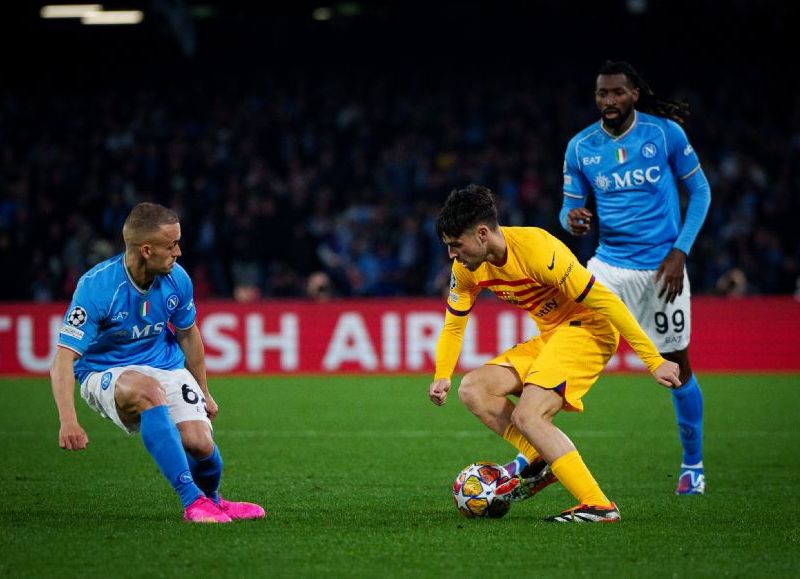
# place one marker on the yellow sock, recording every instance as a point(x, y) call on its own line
point(576, 478)
point(515, 437)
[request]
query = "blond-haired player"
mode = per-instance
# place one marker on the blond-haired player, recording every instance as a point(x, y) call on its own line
point(130, 338)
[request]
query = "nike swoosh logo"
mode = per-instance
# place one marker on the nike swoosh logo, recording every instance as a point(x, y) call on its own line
point(552, 263)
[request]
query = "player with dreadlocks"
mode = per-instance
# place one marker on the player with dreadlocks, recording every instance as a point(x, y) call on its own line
point(633, 161)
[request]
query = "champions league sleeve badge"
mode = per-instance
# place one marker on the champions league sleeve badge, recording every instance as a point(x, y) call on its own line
point(77, 317)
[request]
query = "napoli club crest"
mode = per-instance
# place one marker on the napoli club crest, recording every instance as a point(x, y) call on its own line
point(649, 150)
point(172, 302)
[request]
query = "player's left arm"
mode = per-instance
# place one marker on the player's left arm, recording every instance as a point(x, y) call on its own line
point(578, 284)
point(191, 342)
point(686, 166)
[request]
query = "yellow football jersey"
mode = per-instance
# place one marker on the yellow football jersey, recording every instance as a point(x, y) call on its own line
point(543, 277)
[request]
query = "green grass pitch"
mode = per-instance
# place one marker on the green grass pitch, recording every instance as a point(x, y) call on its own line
point(356, 471)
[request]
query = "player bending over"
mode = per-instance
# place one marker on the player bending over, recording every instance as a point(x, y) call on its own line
point(117, 340)
point(579, 320)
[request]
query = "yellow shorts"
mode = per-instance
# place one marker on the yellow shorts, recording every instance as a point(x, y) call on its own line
point(568, 359)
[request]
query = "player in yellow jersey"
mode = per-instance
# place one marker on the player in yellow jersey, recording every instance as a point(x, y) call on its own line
point(579, 322)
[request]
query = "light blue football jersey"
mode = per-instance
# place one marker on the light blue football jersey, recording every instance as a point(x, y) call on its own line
point(112, 322)
point(634, 178)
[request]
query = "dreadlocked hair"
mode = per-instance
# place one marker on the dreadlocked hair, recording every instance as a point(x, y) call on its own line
point(649, 102)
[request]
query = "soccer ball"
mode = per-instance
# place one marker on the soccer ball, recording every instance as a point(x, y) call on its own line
point(473, 491)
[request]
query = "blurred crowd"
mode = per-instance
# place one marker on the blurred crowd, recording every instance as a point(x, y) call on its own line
point(327, 185)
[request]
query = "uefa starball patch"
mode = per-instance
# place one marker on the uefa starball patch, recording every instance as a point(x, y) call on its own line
point(77, 317)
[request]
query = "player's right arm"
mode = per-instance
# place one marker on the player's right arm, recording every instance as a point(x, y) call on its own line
point(463, 292)
point(574, 217)
point(79, 330)
point(71, 436)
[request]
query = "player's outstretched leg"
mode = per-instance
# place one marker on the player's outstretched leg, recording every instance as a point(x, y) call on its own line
point(531, 480)
point(688, 402)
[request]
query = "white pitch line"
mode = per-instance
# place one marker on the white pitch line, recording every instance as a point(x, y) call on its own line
point(476, 434)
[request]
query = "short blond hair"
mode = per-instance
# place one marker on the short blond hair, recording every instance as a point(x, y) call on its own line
point(145, 219)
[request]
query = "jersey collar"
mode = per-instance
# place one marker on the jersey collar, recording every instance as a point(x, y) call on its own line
point(132, 282)
point(623, 135)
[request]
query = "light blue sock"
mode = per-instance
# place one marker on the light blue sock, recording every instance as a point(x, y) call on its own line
point(688, 402)
point(163, 441)
point(207, 473)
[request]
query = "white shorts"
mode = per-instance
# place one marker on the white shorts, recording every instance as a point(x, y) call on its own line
point(185, 399)
point(668, 325)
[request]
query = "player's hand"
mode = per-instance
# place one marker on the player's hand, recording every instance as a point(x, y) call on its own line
point(211, 407)
point(438, 391)
point(668, 374)
point(579, 221)
point(671, 273)
point(72, 437)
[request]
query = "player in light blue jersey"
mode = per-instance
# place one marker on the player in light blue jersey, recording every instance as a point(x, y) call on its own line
point(633, 161)
point(130, 338)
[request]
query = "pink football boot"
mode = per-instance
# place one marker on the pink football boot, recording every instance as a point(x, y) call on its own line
point(241, 511)
point(203, 510)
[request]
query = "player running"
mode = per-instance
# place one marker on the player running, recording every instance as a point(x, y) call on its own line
point(118, 341)
point(632, 160)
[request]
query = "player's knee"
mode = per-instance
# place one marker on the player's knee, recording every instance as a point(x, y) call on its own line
point(136, 392)
point(198, 444)
point(470, 391)
point(520, 420)
point(528, 418)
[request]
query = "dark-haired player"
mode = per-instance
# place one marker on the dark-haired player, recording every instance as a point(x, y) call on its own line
point(633, 160)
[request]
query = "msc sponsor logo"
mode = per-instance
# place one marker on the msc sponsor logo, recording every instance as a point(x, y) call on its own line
point(602, 182)
point(150, 329)
point(628, 179)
